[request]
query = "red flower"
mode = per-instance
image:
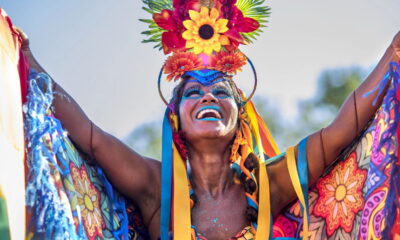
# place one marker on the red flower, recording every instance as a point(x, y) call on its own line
point(228, 62)
point(181, 62)
point(171, 39)
point(237, 22)
point(171, 21)
point(182, 7)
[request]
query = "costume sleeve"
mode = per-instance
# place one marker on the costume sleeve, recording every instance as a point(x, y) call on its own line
point(65, 196)
point(358, 196)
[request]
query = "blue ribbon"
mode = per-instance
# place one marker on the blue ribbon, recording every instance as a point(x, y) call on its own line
point(166, 177)
point(302, 169)
point(382, 84)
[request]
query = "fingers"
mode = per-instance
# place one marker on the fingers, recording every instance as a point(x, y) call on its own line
point(396, 46)
point(24, 37)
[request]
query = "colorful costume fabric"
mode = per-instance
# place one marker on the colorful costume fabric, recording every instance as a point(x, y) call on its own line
point(358, 197)
point(67, 197)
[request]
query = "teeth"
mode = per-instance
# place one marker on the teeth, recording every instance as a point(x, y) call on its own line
point(202, 113)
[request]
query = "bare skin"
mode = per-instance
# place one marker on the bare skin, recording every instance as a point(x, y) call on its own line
point(219, 213)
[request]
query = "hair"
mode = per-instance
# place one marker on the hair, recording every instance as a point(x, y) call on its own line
point(251, 162)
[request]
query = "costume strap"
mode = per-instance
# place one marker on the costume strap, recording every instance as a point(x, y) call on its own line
point(166, 177)
point(299, 183)
point(302, 169)
point(270, 147)
point(181, 218)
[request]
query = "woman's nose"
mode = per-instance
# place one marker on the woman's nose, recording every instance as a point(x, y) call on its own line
point(209, 97)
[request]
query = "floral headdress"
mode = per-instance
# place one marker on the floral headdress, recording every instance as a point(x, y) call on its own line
point(201, 39)
point(199, 34)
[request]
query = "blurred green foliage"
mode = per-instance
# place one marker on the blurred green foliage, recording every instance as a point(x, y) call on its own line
point(146, 139)
point(333, 86)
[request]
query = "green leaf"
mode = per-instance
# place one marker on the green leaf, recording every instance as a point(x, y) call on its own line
point(154, 32)
point(149, 21)
point(156, 6)
point(258, 11)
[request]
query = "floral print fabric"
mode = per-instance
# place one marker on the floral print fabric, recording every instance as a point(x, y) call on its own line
point(350, 201)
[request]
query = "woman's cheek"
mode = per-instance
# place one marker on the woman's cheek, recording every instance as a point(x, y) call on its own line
point(184, 113)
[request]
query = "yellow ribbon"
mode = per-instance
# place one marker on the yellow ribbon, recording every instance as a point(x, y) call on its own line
point(269, 145)
point(181, 198)
point(294, 177)
point(182, 222)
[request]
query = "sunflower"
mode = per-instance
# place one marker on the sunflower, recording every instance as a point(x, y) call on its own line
point(204, 30)
point(228, 62)
point(181, 62)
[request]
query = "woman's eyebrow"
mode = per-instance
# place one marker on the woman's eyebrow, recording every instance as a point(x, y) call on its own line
point(220, 87)
point(191, 88)
point(194, 86)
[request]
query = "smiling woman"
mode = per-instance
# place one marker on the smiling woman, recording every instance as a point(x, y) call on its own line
point(221, 174)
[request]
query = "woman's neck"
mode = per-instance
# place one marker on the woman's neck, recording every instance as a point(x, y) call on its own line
point(210, 170)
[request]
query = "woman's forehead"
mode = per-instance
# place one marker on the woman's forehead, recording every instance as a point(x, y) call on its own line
point(197, 84)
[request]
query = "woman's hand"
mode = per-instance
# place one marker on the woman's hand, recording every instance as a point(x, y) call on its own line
point(396, 47)
point(24, 37)
point(27, 51)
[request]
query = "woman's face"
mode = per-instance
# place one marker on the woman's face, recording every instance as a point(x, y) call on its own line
point(208, 111)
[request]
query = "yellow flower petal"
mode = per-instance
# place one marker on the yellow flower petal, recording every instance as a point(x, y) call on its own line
point(208, 50)
point(189, 24)
point(190, 43)
point(224, 40)
point(195, 41)
point(204, 12)
point(221, 25)
point(214, 14)
point(187, 35)
point(197, 49)
point(195, 16)
point(224, 29)
point(217, 46)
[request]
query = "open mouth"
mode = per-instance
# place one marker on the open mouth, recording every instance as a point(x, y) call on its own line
point(209, 113)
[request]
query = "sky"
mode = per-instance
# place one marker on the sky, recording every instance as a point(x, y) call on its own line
point(93, 49)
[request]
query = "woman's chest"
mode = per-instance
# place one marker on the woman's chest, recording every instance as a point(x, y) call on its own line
point(220, 218)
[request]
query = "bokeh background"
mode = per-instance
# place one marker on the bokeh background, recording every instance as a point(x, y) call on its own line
point(310, 57)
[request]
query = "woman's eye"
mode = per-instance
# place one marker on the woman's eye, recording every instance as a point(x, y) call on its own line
point(193, 93)
point(221, 93)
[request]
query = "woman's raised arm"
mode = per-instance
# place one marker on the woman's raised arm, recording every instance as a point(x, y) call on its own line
point(134, 175)
point(324, 146)
point(352, 118)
